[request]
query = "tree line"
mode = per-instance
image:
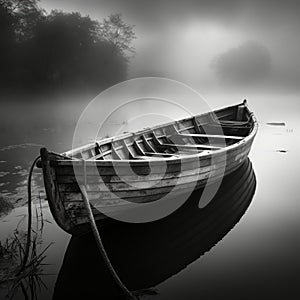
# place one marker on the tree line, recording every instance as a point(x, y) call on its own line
point(61, 50)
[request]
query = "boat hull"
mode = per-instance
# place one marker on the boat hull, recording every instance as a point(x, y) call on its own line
point(115, 185)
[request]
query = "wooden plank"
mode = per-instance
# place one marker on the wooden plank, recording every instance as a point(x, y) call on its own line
point(196, 125)
point(51, 187)
point(138, 186)
point(235, 193)
point(147, 145)
point(145, 185)
point(142, 195)
point(100, 155)
point(138, 148)
point(194, 146)
point(161, 154)
point(183, 146)
point(70, 179)
point(127, 151)
point(202, 135)
point(115, 153)
point(173, 165)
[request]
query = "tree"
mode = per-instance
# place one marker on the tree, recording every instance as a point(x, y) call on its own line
point(27, 15)
point(248, 63)
point(66, 51)
point(116, 32)
point(18, 21)
point(60, 50)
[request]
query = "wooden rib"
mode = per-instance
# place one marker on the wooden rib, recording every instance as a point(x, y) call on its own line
point(97, 149)
point(126, 148)
point(147, 145)
point(161, 145)
point(115, 153)
point(196, 125)
point(102, 154)
point(138, 148)
point(155, 138)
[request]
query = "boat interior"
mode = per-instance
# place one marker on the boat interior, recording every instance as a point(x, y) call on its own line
point(204, 133)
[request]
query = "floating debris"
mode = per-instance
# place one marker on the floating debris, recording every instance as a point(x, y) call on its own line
point(276, 123)
point(282, 151)
point(2, 173)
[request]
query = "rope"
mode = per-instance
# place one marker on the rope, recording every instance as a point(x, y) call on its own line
point(95, 231)
point(100, 245)
point(29, 222)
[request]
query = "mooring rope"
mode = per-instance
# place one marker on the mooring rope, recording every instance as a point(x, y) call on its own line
point(92, 222)
point(96, 234)
point(29, 221)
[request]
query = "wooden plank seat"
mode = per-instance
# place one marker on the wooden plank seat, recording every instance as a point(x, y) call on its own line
point(195, 146)
point(230, 124)
point(200, 134)
point(203, 135)
point(183, 146)
point(150, 155)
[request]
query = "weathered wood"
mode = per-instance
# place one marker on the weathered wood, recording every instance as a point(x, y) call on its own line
point(173, 165)
point(147, 145)
point(137, 179)
point(243, 183)
point(161, 145)
point(138, 148)
point(196, 125)
point(141, 186)
point(165, 155)
point(144, 195)
point(146, 153)
point(115, 153)
point(214, 136)
point(240, 185)
point(53, 197)
point(192, 146)
point(127, 151)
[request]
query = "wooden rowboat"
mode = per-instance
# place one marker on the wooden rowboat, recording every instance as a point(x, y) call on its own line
point(197, 150)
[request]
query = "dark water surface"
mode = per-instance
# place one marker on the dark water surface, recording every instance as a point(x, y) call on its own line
point(257, 259)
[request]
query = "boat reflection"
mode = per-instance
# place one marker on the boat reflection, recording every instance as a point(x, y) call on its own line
point(145, 255)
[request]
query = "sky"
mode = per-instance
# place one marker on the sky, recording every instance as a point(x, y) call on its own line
point(181, 39)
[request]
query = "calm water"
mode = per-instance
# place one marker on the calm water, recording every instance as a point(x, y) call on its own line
point(258, 259)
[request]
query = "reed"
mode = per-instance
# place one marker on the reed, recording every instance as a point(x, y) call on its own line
point(12, 254)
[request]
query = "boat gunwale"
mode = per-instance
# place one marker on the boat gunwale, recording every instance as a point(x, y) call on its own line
point(206, 154)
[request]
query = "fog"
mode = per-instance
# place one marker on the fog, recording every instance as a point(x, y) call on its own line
point(181, 40)
point(225, 51)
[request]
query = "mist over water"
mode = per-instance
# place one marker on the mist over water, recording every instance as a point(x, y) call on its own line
point(253, 260)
